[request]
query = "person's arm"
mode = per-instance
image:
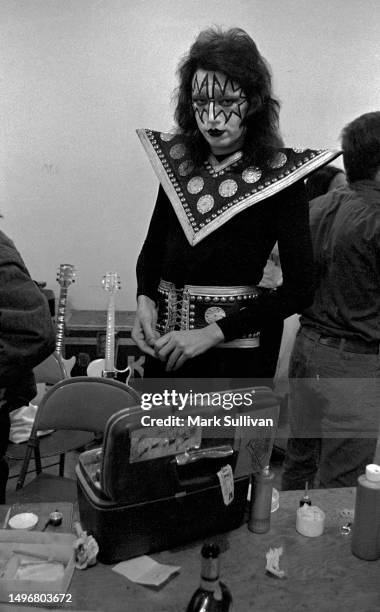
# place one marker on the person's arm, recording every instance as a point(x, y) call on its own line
point(296, 256)
point(148, 271)
point(27, 333)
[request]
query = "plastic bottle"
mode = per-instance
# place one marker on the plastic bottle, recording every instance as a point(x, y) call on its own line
point(211, 595)
point(261, 501)
point(366, 529)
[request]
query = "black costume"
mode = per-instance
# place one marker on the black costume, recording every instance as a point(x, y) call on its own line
point(217, 232)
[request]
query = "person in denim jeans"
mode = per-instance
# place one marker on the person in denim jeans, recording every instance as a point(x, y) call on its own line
point(27, 337)
point(334, 369)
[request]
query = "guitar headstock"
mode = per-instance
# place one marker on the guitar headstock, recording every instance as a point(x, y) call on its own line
point(111, 282)
point(66, 275)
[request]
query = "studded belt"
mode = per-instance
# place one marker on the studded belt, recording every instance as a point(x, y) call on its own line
point(194, 307)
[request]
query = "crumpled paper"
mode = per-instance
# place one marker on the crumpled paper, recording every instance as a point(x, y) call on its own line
point(86, 548)
point(273, 562)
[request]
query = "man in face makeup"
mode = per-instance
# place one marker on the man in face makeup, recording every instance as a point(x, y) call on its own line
point(220, 106)
point(229, 190)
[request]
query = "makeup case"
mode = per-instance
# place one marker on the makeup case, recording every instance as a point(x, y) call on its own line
point(157, 486)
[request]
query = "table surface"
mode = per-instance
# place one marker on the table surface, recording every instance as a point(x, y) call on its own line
point(322, 573)
point(42, 510)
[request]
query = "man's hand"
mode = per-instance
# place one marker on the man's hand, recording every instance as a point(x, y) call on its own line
point(177, 347)
point(144, 328)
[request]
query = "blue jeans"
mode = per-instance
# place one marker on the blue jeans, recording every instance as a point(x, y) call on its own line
point(334, 407)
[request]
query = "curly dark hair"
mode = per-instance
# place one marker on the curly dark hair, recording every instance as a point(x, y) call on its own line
point(234, 53)
point(319, 182)
point(361, 147)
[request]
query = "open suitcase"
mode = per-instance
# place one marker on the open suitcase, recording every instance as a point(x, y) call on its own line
point(152, 488)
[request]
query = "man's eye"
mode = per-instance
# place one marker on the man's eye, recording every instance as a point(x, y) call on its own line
point(200, 101)
point(226, 102)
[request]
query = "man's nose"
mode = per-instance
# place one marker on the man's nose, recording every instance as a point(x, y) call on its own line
point(211, 111)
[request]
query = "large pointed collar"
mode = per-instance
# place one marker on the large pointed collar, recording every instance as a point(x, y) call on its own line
point(205, 198)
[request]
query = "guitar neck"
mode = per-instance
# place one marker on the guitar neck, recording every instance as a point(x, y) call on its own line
point(110, 336)
point(60, 323)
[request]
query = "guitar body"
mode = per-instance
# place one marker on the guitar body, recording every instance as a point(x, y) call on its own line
point(97, 368)
point(69, 364)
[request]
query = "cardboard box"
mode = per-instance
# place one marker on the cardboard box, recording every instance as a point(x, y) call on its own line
point(53, 546)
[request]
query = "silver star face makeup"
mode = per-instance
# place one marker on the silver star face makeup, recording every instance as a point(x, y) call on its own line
point(220, 106)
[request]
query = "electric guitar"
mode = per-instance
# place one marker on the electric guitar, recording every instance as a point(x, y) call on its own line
point(65, 276)
point(106, 367)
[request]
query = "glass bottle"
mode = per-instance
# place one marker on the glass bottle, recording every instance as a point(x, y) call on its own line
point(211, 595)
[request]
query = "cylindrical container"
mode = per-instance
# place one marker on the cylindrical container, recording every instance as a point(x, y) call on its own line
point(366, 529)
point(261, 501)
point(310, 521)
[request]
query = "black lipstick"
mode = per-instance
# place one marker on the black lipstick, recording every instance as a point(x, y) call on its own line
point(215, 133)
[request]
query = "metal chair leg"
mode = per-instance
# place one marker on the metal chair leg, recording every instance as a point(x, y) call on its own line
point(37, 457)
point(24, 467)
point(62, 465)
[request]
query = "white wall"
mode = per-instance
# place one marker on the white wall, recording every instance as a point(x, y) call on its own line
point(79, 76)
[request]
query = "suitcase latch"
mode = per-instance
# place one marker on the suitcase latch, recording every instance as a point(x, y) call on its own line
point(217, 452)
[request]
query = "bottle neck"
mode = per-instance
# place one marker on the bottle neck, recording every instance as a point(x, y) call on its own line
point(213, 586)
point(210, 573)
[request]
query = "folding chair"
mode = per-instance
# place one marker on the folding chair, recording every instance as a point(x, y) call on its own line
point(72, 407)
point(50, 371)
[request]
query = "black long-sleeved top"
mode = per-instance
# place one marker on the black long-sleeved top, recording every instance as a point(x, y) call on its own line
point(235, 254)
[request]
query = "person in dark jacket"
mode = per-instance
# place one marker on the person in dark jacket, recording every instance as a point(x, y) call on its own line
point(27, 337)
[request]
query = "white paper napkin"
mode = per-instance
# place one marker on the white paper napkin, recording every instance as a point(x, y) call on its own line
point(145, 570)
